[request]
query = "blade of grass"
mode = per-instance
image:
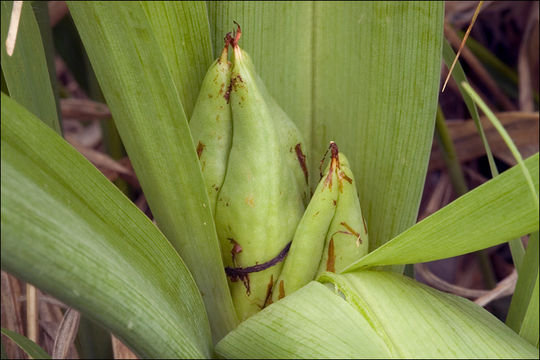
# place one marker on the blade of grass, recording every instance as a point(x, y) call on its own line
point(31, 348)
point(516, 246)
point(449, 155)
point(26, 72)
point(459, 76)
point(524, 303)
point(504, 134)
point(69, 231)
point(529, 327)
point(41, 12)
point(147, 111)
point(469, 28)
point(448, 152)
point(494, 212)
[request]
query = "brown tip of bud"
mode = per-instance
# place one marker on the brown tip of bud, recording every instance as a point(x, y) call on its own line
point(228, 40)
point(237, 35)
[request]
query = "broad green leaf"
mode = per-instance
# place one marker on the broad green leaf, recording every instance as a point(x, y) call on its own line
point(26, 72)
point(182, 31)
point(497, 211)
point(147, 111)
point(523, 313)
point(376, 80)
point(421, 321)
point(27, 345)
point(311, 323)
point(364, 74)
point(69, 231)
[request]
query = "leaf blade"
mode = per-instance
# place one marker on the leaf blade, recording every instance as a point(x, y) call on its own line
point(418, 319)
point(26, 71)
point(494, 212)
point(161, 151)
point(28, 346)
point(96, 251)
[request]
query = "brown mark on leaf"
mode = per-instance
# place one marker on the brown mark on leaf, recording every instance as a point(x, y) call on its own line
point(200, 148)
point(335, 202)
point(352, 232)
point(302, 160)
point(268, 298)
point(221, 89)
point(331, 262)
point(236, 249)
point(281, 290)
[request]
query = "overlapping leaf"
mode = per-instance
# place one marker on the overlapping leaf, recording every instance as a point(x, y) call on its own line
point(69, 231)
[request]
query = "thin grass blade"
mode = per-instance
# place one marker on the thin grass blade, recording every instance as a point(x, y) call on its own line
point(26, 72)
point(523, 312)
point(31, 348)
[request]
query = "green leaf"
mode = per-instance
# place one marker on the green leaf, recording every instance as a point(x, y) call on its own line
point(69, 231)
point(420, 321)
point(364, 74)
point(495, 212)
point(523, 313)
point(182, 31)
point(26, 72)
point(384, 315)
point(311, 323)
point(147, 111)
point(28, 346)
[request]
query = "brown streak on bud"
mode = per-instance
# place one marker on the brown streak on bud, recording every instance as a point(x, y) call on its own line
point(200, 148)
point(227, 94)
point(352, 232)
point(268, 298)
point(331, 262)
point(302, 160)
point(281, 290)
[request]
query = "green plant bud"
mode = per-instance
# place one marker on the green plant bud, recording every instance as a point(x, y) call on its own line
point(347, 237)
point(211, 125)
point(307, 246)
point(291, 138)
point(259, 205)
